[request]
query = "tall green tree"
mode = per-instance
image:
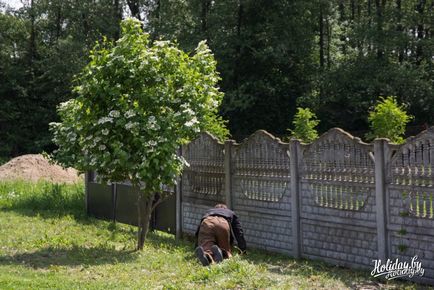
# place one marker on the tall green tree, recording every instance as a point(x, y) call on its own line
point(377, 48)
point(44, 43)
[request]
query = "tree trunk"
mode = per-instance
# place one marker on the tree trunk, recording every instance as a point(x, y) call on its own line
point(369, 24)
point(134, 7)
point(379, 39)
point(321, 36)
point(400, 29)
point(58, 21)
point(420, 31)
point(341, 10)
point(204, 18)
point(342, 18)
point(329, 37)
point(117, 11)
point(157, 21)
point(353, 10)
point(238, 49)
point(32, 39)
point(144, 206)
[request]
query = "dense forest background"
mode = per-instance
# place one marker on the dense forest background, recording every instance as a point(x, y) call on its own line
point(333, 56)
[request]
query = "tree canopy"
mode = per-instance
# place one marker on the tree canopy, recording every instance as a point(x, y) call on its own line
point(335, 57)
point(136, 103)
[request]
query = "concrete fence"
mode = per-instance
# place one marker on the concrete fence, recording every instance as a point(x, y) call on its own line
point(337, 199)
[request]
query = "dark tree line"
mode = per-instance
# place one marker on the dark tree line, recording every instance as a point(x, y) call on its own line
point(335, 57)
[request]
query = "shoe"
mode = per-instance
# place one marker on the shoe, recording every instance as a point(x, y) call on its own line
point(217, 253)
point(200, 254)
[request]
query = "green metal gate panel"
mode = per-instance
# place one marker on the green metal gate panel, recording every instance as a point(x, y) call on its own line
point(100, 200)
point(165, 215)
point(126, 205)
point(118, 202)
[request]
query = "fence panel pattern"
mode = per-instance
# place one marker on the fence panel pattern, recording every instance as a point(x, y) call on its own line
point(337, 193)
point(410, 177)
point(203, 181)
point(261, 191)
point(337, 199)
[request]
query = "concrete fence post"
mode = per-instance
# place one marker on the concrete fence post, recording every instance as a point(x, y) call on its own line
point(380, 196)
point(178, 201)
point(295, 198)
point(228, 172)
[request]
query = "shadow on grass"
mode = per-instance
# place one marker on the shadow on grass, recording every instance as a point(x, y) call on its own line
point(80, 216)
point(313, 270)
point(74, 256)
point(317, 270)
point(168, 241)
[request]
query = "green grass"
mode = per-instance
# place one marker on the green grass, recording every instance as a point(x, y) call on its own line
point(46, 241)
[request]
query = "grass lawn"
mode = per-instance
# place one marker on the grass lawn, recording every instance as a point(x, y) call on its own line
point(46, 241)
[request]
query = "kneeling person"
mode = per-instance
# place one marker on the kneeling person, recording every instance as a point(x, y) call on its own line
point(216, 233)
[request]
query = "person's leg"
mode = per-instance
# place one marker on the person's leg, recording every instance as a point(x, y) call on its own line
point(206, 239)
point(202, 256)
point(222, 231)
point(217, 253)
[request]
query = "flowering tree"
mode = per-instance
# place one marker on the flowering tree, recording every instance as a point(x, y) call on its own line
point(136, 103)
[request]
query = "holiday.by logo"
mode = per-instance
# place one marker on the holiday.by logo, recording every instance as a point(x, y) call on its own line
point(396, 269)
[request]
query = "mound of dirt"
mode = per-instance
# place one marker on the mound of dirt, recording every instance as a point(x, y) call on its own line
point(34, 167)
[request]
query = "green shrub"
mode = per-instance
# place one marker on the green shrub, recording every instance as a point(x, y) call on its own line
point(388, 120)
point(137, 101)
point(304, 123)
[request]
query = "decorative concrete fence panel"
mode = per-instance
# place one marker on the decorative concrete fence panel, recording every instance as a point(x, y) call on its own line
point(203, 181)
point(337, 199)
point(410, 193)
point(261, 191)
point(337, 188)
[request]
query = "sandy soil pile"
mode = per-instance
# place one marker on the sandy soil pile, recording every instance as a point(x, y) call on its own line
point(34, 167)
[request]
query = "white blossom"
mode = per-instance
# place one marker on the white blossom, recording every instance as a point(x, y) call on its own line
point(114, 114)
point(192, 122)
point(214, 103)
point(183, 161)
point(72, 136)
point(102, 147)
point(154, 126)
point(63, 105)
point(152, 143)
point(130, 113)
point(104, 120)
point(105, 132)
point(152, 123)
point(130, 125)
point(189, 111)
